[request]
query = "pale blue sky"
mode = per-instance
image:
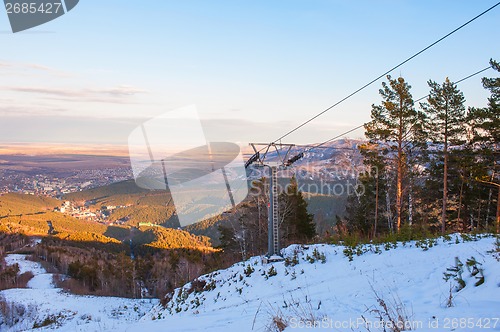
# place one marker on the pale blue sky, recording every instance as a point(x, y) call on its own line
point(254, 69)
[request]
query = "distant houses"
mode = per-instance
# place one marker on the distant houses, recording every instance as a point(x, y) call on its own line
point(148, 224)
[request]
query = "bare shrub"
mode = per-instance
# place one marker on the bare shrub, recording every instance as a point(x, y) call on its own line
point(23, 279)
point(300, 311)
point(11, 313)
point(278, 321)
point(72, 286)
point(451, 297)
point(392, 314)
point(197, 286)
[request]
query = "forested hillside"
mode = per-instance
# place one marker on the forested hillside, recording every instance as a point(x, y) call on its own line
point(101, 259)
point(17, 204)
point(134, 205)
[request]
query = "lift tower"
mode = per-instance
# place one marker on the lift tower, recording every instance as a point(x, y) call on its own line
point(274, 156)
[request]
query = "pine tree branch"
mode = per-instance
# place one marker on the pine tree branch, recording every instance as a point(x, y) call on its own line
point(487, 182)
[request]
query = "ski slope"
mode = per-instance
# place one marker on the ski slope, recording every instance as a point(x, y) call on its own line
point(41, 279)
point(41, 303)
point(318, 287)
point(337, 294)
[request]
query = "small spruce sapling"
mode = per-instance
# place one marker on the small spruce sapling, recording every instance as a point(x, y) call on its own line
point(272, 272)
point(249, 270)
point(474, 267)
point(455, 273)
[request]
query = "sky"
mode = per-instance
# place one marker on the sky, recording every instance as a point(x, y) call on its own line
point(253, 69)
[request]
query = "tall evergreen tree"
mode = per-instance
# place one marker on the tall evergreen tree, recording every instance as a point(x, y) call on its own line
point(397, 127)
point(486, 133)
point(446, 111)
point(367, 215)
point(296, 219)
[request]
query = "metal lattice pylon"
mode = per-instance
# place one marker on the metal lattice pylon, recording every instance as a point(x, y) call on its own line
point(282, 162)
point(275, 211)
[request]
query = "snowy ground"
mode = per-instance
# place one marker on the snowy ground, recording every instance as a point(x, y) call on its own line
point(321, 287)
point(336, 294)
point(41, 304)
point(41, 279)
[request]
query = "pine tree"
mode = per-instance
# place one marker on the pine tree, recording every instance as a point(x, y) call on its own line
point(243, 232)
point(227, 239)
point(300, 223)
point(397, 127)
point(365, 209)
point(486, 133)
point(446, 111)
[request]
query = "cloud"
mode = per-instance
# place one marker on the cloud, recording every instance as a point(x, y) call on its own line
point(116, 94)
point(38, 67)
point(23, 111)
point(21, 68)
point(240, 130)
point(121, 90)
point(47, 91)
point(66, 129)
point(25, 124)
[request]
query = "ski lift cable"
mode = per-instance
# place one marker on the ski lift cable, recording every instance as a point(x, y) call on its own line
point(457, 82)
point(384, 74)
point(373, 81)
point(320, 145)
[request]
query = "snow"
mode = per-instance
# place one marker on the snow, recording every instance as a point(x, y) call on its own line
point(41, 300)
point(41, 279)
point(339, 292)
point(24, 264)
point(325, 288)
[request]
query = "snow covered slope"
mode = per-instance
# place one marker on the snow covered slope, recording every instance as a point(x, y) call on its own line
point(333, 288)
point(321, 286)
point(40, 280)
point(41, 305)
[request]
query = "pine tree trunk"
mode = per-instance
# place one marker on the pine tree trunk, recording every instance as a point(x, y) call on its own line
point(445, 173)
point(487, 223)
point(390, 223)
point(445, 189)
point(376, 208)
point(498, 211)
point(399, 189)
point(410, 205)
point(460, 199)
point(471, 222)
point(478, 224)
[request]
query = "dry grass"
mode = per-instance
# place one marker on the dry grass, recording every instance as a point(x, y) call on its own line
point(302, 311)
point(278, 322)
point(393, 313)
